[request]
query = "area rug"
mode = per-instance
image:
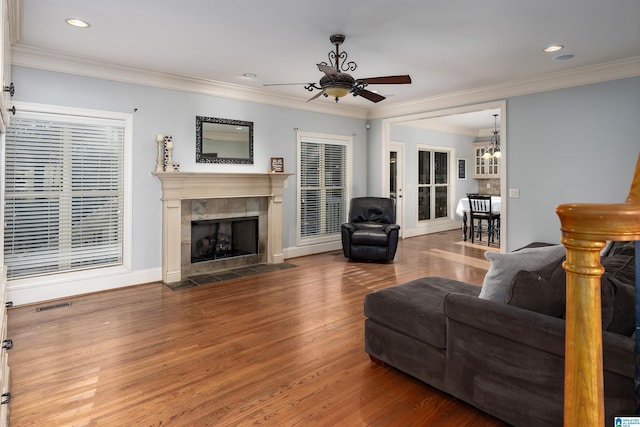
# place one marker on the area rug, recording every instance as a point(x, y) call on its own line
point(221, 276)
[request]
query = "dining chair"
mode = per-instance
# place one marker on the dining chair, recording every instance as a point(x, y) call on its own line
point(480, 210)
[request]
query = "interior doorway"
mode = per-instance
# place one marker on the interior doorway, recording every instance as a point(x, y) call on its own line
point(396, 180)
point(460, 129)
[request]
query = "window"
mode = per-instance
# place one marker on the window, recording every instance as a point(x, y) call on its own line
point(65, 192)
point(433, 184)
point(324, 182)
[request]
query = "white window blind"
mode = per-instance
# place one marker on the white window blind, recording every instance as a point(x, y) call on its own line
point(324, 186)
point(64, 194)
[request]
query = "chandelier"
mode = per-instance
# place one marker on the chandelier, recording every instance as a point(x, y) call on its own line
point(493, 150)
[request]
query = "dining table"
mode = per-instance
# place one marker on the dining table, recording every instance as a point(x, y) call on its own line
point(463, 208)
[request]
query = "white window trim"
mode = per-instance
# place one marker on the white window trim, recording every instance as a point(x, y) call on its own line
point(59, 278)
point(320, 137)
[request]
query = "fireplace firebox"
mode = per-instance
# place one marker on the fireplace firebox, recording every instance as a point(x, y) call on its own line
point(216, 239)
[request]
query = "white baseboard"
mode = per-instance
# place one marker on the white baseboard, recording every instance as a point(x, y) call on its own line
point(298, 251)
point(433, 228)
point(23, 292)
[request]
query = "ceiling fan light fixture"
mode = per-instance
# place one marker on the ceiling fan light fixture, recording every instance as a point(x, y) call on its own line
point(337, 91)
point(337, 82)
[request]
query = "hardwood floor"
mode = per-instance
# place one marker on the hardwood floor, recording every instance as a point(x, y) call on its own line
point(278, 349)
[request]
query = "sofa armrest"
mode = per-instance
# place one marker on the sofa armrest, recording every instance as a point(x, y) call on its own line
point(348, 227)
point(539, 331)
point(391, 228)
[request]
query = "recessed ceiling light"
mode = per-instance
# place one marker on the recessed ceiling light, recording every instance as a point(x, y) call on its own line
point(564, 57)
point(250, 75)
point(553, 48)
point(77, 23)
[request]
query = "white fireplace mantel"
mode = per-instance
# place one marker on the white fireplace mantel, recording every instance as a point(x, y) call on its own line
point(178, 186)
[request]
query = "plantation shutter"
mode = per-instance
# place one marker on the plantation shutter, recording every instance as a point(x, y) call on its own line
point(64, 194)
point(324, 186)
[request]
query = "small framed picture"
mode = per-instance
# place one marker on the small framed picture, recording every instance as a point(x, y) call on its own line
point(462, 168)
point(277, 164)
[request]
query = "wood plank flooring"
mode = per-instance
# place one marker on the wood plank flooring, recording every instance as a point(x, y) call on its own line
point(282, 348)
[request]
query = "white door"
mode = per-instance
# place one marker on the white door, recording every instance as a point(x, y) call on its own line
point(395, 179)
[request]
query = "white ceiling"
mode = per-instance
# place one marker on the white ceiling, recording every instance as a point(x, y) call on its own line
point(445, 46)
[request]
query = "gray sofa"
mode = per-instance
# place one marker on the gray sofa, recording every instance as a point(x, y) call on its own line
point(504, 355)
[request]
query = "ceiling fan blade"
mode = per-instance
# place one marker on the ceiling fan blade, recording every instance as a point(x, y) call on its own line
point(389, 80)
point(316, 96)
point(371, 96)
point(328, 70)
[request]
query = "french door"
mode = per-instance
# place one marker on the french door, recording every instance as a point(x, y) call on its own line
point(433, 183)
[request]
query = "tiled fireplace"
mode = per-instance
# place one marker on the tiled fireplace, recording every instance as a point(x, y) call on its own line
point(223, 197)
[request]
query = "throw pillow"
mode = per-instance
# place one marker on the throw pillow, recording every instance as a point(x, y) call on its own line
point(622, 248)
point(622, 267)
point(623, 319)
point(542, 291)
point(620, 273)
point(504, 267)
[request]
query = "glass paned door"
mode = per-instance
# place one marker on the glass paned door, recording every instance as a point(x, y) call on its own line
point(396, 179)
point(393, 175)
point(433, 184)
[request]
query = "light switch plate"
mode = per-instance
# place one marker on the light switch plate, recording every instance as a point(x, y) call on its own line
point(514, 192)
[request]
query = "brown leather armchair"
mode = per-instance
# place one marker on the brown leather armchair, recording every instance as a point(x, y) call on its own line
point(371, 233)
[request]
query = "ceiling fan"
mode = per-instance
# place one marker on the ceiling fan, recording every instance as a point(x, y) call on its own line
point(337, 83)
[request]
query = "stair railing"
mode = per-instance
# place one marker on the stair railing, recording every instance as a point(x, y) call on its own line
point(585, 230)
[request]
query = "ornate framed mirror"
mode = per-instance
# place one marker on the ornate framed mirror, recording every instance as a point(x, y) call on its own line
point(223, 141)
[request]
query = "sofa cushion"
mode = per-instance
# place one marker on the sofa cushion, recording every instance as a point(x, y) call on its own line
point(416, 308)
point(505, 266)
point(370, 237)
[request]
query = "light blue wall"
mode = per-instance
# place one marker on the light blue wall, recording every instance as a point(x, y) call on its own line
point(571, 145)
point(411, 138)
point(170, 112)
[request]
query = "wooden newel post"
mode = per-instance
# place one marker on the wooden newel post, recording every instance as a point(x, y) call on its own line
point(585, 229)
point(583, 381)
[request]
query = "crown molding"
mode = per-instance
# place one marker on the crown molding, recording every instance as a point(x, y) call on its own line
point(14, 12)
point(51, 61)
point(613, 70)
point(29, 57)
point(436, 125)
